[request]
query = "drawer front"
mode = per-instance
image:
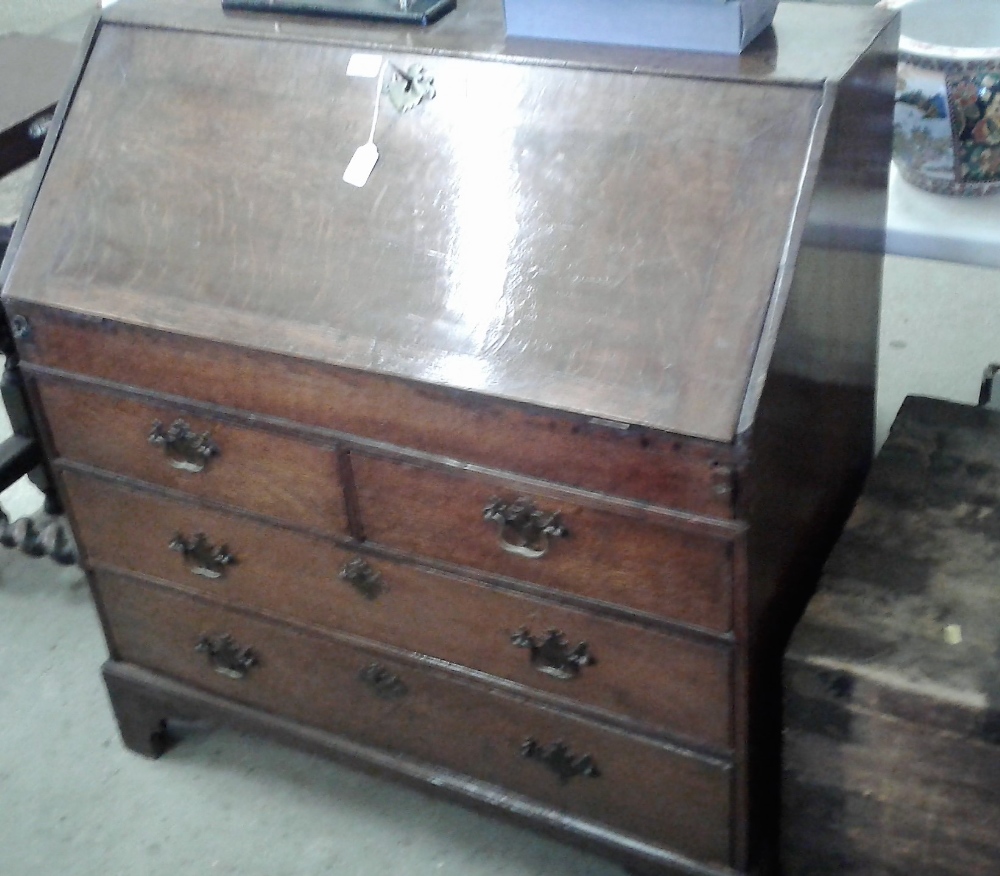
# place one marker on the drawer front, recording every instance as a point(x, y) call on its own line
point(141, 532)
point(283, 478)
point(662, 795)
point(617, 559)
point(638, 463)
point(671, 684)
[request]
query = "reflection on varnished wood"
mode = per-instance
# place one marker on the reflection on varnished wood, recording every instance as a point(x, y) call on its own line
point(516, 253)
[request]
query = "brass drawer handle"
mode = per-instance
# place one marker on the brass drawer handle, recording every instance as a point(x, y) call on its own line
point(202, 557)
point(552, 655)
point(382, 682)
point(524, 530)
point(185, 450)
point(363, 578)
point(226, 657)
point(557, 757)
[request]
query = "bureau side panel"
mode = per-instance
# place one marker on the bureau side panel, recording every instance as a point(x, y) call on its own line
point(812, 439)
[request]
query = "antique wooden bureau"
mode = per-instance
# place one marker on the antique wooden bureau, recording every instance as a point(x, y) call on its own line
point(505, 472)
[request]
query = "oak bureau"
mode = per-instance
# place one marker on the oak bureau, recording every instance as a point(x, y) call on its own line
point(506, 472)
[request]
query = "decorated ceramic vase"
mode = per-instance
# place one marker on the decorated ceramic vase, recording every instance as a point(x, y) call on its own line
point(947, 121)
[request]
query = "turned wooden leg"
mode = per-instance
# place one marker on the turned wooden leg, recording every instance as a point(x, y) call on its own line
point(142, 720)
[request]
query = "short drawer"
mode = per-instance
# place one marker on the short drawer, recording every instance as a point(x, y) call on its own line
point(661, 794)
point(672, 684)
point(139, 531)
point(270, 474)
point(634, 561)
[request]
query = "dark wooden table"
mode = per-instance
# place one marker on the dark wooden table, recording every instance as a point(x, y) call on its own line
point(892, 680)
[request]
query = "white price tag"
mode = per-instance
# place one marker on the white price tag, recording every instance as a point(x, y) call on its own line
point(364, 66)
point(361, 165)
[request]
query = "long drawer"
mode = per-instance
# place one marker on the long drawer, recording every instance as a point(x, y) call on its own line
point(658, 793)
point(673, 684)
point(273, 475)
point(635, 561)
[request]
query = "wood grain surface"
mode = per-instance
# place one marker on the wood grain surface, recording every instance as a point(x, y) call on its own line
point(797, 49)
point(575, 277)
point(644, 789)
point(278, 477)
point(694, 477)
point(892, 691)
point(671, 684)
point(623, 560)
point(462, 263)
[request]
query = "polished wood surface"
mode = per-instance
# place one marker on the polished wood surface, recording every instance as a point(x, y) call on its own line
point(141, 699)
point(691, 476)
point(814, 426)
point(463, 726)
point(295, 577)
point(462, 262)
point(278, 477)
point(625, 560)
point(134, 530)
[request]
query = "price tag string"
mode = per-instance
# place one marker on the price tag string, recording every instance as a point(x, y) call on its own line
point(366, 155)
point(378, 102)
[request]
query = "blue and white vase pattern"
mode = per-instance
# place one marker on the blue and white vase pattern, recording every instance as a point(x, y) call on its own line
point(975, 114)
point(922, 145)
point(947, 121)
point(947, 127)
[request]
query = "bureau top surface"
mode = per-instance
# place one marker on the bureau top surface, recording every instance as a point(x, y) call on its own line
point(809, 43)
point(588, 240)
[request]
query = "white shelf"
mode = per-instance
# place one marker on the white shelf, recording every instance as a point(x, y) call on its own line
point(942, 227)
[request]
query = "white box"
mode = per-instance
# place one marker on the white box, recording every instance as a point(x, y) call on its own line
point(691, 25)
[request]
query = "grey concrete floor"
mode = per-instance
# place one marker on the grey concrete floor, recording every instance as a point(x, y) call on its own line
point(74, 802)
